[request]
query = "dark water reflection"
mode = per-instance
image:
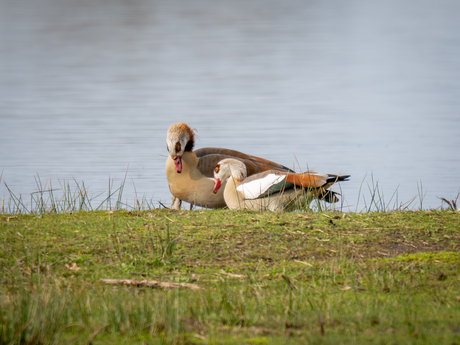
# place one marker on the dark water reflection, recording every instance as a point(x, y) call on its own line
point(88, 87)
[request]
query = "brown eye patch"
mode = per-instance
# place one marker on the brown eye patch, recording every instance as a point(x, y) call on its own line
point(216, 169)
point(177, 147)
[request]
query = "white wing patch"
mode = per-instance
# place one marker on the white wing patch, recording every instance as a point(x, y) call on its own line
point(255, 188)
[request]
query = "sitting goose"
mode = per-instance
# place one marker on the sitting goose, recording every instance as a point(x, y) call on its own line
point(272, 190)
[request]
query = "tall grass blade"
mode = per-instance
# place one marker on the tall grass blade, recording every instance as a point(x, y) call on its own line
point(17, 201)
point(120, 192)
point(359, 192)
point(421, 194)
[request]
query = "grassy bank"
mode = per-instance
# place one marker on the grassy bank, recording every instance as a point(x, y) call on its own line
point(264, 278)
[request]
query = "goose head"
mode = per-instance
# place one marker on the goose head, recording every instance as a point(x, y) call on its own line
point(179, 139)
point(228, 168)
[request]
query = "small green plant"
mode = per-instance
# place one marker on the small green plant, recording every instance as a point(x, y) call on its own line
point(165, 244)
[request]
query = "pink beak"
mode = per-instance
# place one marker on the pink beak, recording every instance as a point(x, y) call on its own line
point(178, 164)
point(216, 186)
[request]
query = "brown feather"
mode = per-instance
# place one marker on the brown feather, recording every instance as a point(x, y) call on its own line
point(307, 180)
point(210, 156)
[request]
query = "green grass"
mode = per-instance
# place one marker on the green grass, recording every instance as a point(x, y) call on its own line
point(266, 278)
point(74, 196)
point(69, 196)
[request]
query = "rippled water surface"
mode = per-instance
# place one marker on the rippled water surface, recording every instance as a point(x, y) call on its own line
point(88, 88)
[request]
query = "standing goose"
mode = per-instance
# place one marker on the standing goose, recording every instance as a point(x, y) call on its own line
point(272, 190)
point(190, 173)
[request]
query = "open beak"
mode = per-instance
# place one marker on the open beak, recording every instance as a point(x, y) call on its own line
point(216, 186)
point(178, 164)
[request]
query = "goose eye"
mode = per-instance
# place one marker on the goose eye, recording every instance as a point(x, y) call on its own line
point(177, 147)
point(216, 169)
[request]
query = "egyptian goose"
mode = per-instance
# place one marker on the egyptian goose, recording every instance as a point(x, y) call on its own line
point(190, 173)
point(272, 190)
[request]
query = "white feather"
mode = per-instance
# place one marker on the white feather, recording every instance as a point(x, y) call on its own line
point(255, 188)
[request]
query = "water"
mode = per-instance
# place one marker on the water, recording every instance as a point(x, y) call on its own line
point(88, 88)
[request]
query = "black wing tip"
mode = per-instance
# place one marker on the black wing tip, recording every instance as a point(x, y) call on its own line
point(338, 178)
point(344, 177)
